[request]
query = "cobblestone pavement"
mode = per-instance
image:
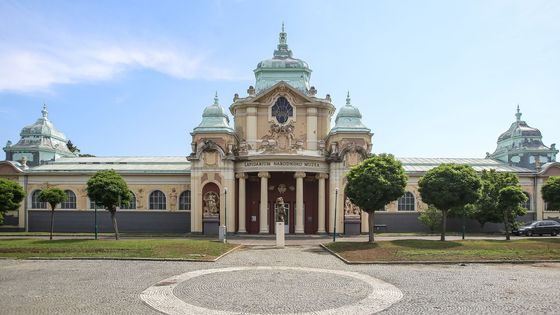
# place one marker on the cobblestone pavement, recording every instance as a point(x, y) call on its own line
point(114, 287)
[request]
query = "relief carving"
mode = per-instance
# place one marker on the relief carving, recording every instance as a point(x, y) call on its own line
point(280, 138)
point(210, 158)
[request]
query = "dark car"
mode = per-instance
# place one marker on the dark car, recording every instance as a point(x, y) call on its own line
point(539, 227)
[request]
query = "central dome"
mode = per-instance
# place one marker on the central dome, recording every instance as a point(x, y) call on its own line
point(282, 67)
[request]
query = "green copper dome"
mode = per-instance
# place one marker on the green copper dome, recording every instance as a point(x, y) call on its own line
point(214, 119)
point(282, 67)
point(522, 145)
point(43, 128)
point(349, 119)
point(39, 142)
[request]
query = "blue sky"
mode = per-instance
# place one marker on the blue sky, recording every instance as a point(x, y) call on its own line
point(431, 78)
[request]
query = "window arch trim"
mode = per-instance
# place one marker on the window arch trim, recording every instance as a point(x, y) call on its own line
point(157, 200)
point(407, 202)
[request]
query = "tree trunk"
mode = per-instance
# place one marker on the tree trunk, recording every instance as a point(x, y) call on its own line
point(443, 224)
point(506, 225)
point(371, 226)
point(52, 221)
point(115, 227)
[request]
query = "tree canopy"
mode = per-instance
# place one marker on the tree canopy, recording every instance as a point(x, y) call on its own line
point(487, 208)
point(52, 196)
point(11, 195)
point(551, 192)
point(509, 202)
point(449, 186)
point(108, 188)
point(374, 183)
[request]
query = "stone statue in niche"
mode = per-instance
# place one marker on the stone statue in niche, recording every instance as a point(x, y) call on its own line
point(211, 204)
point(351, 209)
point(280, 209)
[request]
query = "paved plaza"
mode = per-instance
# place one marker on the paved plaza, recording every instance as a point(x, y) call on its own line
point(261, 279)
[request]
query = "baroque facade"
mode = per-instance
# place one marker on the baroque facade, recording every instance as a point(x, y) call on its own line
point(280, 144)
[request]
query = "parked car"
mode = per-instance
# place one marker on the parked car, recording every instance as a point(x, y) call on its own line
point(539, 227)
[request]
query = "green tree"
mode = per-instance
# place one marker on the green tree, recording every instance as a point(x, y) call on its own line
point(374, 183)
point(52, 196)
point(449, 186)
point(509, 202)
point(551, 192)
point(11, 195)
point(487, 207)
point(109, 189)
point(431, 218)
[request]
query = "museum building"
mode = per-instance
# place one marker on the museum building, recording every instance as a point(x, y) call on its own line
point(280, 144)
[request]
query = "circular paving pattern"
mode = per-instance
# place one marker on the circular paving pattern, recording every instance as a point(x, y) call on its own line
point(271, 290)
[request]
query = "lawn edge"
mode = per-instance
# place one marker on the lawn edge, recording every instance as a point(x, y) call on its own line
point(127, 258)
point(434, 262)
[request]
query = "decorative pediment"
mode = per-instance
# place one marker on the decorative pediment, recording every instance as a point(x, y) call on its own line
point(551, 169)
point(206, 145)
point(8, 167)
point(353, 151)
point(282, 89)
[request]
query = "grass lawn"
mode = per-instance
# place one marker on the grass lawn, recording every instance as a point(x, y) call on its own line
point(431, 250)
point(144, 248)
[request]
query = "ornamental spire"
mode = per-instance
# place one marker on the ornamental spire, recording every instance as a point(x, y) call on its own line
point(518, 114)
point(44, 111)
point(283, 51)
point(216, 100)
point(348, 99)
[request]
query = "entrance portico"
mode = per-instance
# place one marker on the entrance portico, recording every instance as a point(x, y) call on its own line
point(261, 182)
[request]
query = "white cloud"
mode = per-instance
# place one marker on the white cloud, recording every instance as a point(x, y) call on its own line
point(39, 68)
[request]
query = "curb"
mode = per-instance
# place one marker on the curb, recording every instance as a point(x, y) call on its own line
point(436, 262)
point(128, 258)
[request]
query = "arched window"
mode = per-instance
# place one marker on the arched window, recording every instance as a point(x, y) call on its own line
point(158, 200)
point(407, 202)
point(35, 203)
point(185, 200)
point(132, 203)
point(527, 204)
point(70, 202)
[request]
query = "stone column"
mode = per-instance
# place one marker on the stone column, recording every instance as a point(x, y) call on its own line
point(264, 203)
point(321, 211)
point(299, 202)
point(242, 203)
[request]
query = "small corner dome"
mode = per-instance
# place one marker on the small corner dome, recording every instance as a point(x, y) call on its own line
point(215, 110)
point(214, 119)
point(349, 119)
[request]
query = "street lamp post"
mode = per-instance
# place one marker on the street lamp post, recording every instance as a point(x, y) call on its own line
point(335, 203)
point(95, 216)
